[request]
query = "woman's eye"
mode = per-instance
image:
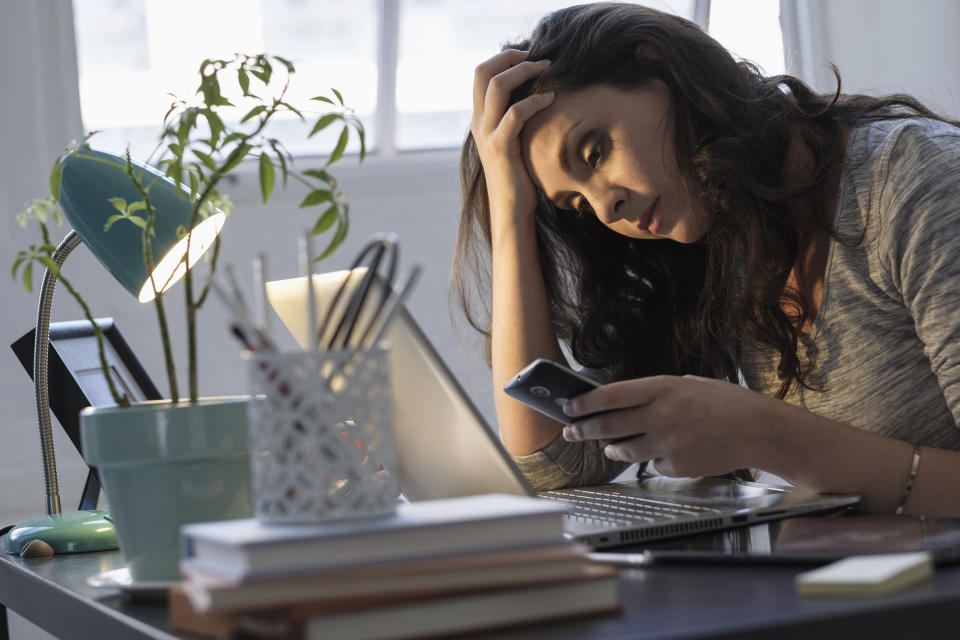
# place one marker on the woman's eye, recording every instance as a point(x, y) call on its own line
point(593, 159)
point(583, 207)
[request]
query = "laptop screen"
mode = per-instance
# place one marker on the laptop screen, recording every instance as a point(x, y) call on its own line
point(444, 446)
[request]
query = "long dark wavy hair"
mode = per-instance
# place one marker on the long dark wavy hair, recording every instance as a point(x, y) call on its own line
point(644, 307)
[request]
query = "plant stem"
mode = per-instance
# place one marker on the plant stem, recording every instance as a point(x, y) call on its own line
point(193, 306)
point(157, 295)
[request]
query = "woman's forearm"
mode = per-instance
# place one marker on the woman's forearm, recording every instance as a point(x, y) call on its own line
point(828, 456)
point(521, 331)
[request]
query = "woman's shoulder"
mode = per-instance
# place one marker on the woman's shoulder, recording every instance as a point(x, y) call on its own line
point(891, 141)
point(905, 179)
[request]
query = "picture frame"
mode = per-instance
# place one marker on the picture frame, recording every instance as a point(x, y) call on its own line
point(76, 381)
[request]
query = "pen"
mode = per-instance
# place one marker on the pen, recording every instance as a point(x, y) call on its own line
point(260, 293)
point(642, 559)
point(306, 267)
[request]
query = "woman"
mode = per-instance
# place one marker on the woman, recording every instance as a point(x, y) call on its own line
point(675, 219)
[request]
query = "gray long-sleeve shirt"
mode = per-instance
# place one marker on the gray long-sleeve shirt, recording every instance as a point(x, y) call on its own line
point(885, 347)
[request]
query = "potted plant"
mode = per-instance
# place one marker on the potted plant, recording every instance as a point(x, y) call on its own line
point(195, 446)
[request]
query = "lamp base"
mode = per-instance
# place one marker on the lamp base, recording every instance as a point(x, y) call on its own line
point(73, 532)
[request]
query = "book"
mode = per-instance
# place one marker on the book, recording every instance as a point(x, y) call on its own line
point(211, 592)
point(868, 575)
point(247, 548)
point(594, 592)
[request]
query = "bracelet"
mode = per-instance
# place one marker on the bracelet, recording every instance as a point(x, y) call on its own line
point(914, 465)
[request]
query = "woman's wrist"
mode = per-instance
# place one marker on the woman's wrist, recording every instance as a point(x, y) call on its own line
point(780, 438)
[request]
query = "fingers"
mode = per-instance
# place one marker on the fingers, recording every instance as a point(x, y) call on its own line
point(619, 395)
point(639, 449)
point(488, 69)
point(498, 90)
point(513, 120)
point(610, 425)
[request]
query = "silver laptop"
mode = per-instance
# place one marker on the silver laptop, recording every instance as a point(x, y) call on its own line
point(445, 448)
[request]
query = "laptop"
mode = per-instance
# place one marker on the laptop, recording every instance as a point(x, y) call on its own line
point(445, 448)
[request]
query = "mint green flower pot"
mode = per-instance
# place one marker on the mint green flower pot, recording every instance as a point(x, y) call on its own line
point(163, 465)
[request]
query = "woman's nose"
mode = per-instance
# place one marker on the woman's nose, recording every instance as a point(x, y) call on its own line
point(610, 206)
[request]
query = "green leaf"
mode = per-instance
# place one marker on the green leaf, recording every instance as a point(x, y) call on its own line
point(119, 204)
point(337, 93)
point(110, 221)
point(286, 63)
point(323, 99)
point(315, 197)
point(173, 107)
point(267, 176)
point(326, 220)
point(238, 155)
point(216, 125)
point(323, 122)
point(188, 119)
point(236, 135)
point(207, 161)
point(55, 175)
point(28, 277)
point(137, 220)
point(16, 264)
point(341, 145)
point(133, 207)
point(50, 264)
point(263, 70)
point(321, 175)
point(194, 186)
point(275, 145)
point(338, 238)
point(257, 110)
point(363, 144)
point(244, 79)
point(292, 108)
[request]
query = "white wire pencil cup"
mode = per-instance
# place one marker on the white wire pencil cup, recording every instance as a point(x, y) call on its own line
point(321, 419)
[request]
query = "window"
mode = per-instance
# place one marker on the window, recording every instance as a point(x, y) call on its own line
point(420, 52)
point(441, 41)
point(750, 29)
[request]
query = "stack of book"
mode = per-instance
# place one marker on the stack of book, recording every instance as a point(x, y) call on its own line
point(437, 567)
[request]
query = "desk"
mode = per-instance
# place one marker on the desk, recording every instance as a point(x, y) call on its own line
point(661, 602)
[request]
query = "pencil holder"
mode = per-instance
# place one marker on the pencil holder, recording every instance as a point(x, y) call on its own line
point(321, 435)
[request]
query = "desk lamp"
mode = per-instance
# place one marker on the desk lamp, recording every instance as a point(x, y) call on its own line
point(89, 180)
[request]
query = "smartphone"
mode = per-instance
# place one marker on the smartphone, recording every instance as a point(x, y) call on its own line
point(546, 386)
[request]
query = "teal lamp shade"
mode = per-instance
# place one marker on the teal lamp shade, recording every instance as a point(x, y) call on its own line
point(90, 179)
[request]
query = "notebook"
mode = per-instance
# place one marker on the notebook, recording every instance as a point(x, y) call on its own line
point(445, 448)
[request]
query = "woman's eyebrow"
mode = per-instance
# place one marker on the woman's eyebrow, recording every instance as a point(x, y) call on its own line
point(564, 142)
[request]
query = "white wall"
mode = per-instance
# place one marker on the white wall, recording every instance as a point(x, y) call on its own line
point(879, 46)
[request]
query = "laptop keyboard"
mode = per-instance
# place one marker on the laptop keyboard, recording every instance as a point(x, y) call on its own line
point(619, 509)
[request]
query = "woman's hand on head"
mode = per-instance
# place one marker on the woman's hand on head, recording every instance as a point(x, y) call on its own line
point(496, 129)
point(688, 426)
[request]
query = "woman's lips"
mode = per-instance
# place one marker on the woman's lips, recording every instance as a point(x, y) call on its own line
point(650, 220)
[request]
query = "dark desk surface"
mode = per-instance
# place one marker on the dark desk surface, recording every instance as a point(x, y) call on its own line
point(668, 601)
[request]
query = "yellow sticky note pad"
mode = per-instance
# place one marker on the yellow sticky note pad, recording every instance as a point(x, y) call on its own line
point(871, 575)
